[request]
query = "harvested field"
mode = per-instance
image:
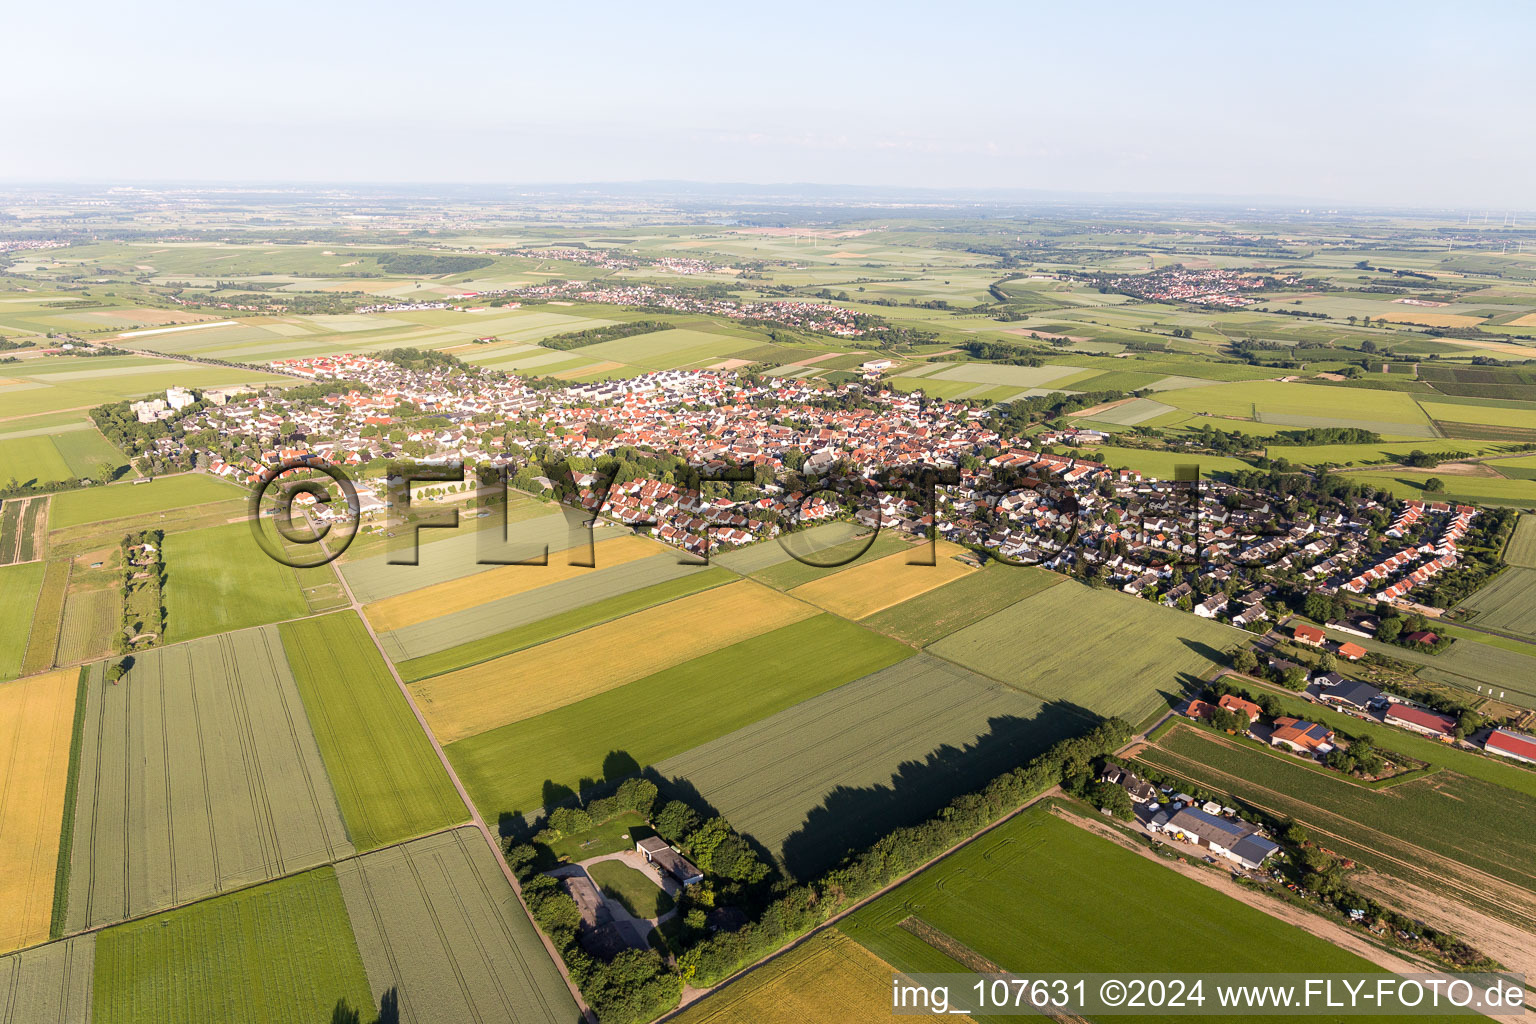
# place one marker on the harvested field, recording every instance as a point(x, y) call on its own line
point(388, 779)
point(48, 984)
point(279, 952)
point(198, 774)
point(930, 616)
point(19, 585)
point(37, 716)
point(521, 767)
point(838, 771)
point(1431, 319)
point(563, 671)
point(91, 617)
point(862, 590)
point(548, 614)
point(828, 979)
point(436, 920)
point(458, 595)
point(1102, 650)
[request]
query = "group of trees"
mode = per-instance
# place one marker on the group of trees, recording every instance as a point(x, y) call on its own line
point(143, 587)
point(595, 335)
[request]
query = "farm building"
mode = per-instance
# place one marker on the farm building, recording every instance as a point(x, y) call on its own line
point(1232, 702)
point(1430, 723)
point(657, 852)
point(1302, 737)
point(1312, 636)
point(1512, 744)
point(1235, 840)
point(1352, 694)
point(1140, 790)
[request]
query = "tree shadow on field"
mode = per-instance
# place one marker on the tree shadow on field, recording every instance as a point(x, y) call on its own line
point(389, 1010)
point(1205, 651)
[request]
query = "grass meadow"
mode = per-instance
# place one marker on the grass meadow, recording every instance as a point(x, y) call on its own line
point(219, 579)
point(19, 586)
point(387, 778)
point(520, 767)
point(198, 774)
point(125, 500)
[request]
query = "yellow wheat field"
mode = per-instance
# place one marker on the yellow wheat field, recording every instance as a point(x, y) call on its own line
point(829, 979)
point(563, 671)
point(1529, 320)
point(1432, 319)
point(37, 717)
point(456, 595)
point(874, 586)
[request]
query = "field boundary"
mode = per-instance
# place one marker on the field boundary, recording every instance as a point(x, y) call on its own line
point(67, 831)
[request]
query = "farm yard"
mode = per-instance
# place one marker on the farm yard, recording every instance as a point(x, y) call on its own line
point(283, 951)
point(37, 716)
point(387, 778)
point(837, 771)
point(1429, 827)
point(517, 686)
point(521, 767)
point(436, 921)
point(1143, 654)
point(219, 785)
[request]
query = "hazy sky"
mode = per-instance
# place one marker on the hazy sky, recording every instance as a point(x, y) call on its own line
point(1354, 102)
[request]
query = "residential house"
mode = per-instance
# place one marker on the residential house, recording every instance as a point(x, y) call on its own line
point(1232, 702)
point(659, 853)
point(1301, 736)
point(1352, 694)
point(1310, 635)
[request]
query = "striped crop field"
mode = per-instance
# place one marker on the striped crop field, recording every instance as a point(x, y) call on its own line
point(198, 774)
point(419, 606)
point(388, 779)
point(1101, 650)
point(91, 617)
point(560, 672)
point(1508, 603)
point(510, 769)
point(283, 951)
point(37, 716)
point(937, 613)
point(435, 920)
point(862, 590)
point(1521, 550)
point(49, 984)
point(837, 771)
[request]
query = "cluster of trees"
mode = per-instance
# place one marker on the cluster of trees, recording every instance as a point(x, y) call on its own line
point(1228, 442)
point(423, 264)
point(997, 352)
point(1018, 415)
point(612, 332)
point(418, 359)
point(143, 599)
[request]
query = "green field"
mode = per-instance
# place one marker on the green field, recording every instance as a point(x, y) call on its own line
point(790, 574)
point(19, 587)
point(1508, 604)
point(1436, 822)
point(29, 460)
point(91, 619)
point(928, 617)
point(388, 779)
point(557, 625)
point(1521, 550)
point(836, 772)
point(1161, 465)
point(219, 579)
point(279, 952)
point(1102, 650)
point(665, 350)
point(810, 544)
point(1305, 405)
point(1038, 894)
point(636, 893)
point(436, 921)
point(520, 767)
point(48, 984)
point(140, 500)
point(198, 774)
